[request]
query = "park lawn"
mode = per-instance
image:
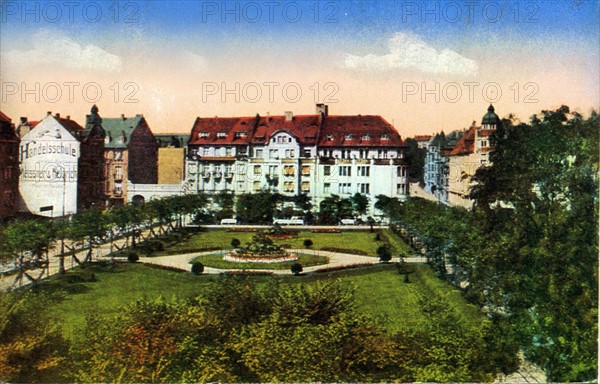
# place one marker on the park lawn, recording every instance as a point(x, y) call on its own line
point(221, 239)
point(399, 247)
point(379, 291)
point(216, 261)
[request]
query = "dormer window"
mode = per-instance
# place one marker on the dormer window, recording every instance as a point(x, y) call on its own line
point(385, 137)
point(221, 135)
point(366, 137)
point(348, 136)
point(203, 135)
point(239, 135)
point(329, 137)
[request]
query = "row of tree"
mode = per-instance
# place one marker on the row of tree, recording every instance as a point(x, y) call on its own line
point(529, 249)
point(29, 241)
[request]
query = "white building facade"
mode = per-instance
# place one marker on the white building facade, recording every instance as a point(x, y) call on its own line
point(49, 156)
point(317, 155)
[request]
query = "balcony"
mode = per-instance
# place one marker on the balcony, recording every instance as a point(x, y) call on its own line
point(228, 175)
point(217, 174)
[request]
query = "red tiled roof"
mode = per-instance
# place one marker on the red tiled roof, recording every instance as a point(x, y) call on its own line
point(230, 125)
point(304, 127)
point(466, 144)
point(4, 118)
point(422, 137)
point(336, 128)
point(70, 125)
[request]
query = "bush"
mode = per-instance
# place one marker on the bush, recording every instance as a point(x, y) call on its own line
point(384, 253)
point(296, 268)
point(308, 243)
point(378, 237)
point(133, 257)
point(197, 268)
point(235, 243)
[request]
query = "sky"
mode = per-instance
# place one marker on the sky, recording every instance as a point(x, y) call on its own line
point(425, 66)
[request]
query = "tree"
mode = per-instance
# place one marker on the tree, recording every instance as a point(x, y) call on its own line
point(235, 243)
point(415, 157)
point(91, 225)
point(360, 204)
point(296, 268)
point(256, 208)
point(307, 243)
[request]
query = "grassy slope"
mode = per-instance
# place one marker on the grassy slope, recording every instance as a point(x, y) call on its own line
point(379, 291)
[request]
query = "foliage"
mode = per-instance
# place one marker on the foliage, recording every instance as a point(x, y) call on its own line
point(307, 243)
point(197, 268)
point(332, 209)
point(415, 157)
point(384, 253)
point(30, 350)
point(260, 246)
point(256, 208)
point(296, 268)
point(235, 242)
point(133, 257)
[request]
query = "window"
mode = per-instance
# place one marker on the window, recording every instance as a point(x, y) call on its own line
point(288, 170)
point(364, 188)
point(326, 188)
point(363, 171)
point(401, 172)
point(345, 170)
point(305, 170)
point(258, 152)
point(203, 135)
point(221, 134)
point(118, 173)
point(366, 137)
point(329, 137)
point(239, 135)
point(305, 186)
point(327, 170)
point(118, 155)
point(118, 188)
point(384, 137)
point(288, 186)
point(229, 169)
point(273, 153)
point(228, 151)
point(256, 185)
point(348, 136)
point(345, 188)
point(307, 152)
point(401, 189)
point(257, 170)
point(484, 143)
point(289, 153)
point(273, 170)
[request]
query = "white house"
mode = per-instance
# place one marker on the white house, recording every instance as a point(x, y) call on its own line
point(49, 155)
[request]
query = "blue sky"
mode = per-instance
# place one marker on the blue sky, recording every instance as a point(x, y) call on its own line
point(369, 49)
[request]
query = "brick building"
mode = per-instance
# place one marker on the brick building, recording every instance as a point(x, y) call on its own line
point(90, 191)
point(9, 168)
point(130, 156)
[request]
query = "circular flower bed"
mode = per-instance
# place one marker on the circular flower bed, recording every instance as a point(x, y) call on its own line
point(259, 259)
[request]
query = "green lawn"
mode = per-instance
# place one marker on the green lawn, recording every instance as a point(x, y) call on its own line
point(379, 290)
point(354, 240)
point(216, 261)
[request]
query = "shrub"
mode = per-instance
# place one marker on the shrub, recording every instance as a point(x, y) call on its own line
point(133, 257)
point(378, 237)
point(235, 242)
point(384, 253)
point(197, 268)
point(296, 268)
point(308, 243)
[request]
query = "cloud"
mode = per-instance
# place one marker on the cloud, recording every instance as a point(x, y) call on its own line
point(57, 49)
point(406, 51)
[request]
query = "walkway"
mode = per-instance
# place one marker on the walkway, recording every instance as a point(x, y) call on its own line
point(335, 260)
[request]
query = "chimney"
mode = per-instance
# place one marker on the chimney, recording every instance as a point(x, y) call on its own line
point(68, 117)
point(122, 116)
point(57, 115)
point(48, 113)
point(23, 120)
point(289, 116)
point(322, 109)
